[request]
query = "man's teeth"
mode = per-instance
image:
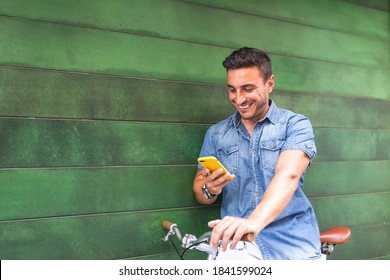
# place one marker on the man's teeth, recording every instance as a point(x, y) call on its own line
point(243, 107)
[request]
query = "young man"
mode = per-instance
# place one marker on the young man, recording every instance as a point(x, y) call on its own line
point(267, 149)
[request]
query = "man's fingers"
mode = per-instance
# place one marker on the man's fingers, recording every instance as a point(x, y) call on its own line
point(239, 233)
point(218, 232)
point(229, 228)
point(213, 223)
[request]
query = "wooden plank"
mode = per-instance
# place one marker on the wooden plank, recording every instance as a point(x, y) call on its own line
point(374, 4)
point(60, 47)
point(339, 16)
point(47, 94)
point(111, 236)
point(382, 258)
point(42, 143)
point(352, 145)
point(352, 210)
point(336, 111)
point(35, 193)
point(333, 15)
point(39, 143)
point(347, 177)
point(64, 143)
point(218, 29)
point(365, 243)
point(31, 193)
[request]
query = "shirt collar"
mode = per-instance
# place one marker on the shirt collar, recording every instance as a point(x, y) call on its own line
point(271, 115)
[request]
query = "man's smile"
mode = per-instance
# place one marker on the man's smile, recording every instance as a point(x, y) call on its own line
point(245, 105)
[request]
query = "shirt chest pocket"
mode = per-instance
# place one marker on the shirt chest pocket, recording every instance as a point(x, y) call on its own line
point(270, 152)
point(228, 156)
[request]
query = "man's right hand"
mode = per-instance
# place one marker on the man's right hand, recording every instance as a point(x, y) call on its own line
point(214, 181)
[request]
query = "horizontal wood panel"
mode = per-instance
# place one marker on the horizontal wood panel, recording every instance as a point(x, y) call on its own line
point(331, 14)
point(379, 5)
point(49, 143)
point(217, 29)
point(334, 111)
point(347, 177)
point(47, 94)
point(39, 143)
point(60, 47)
point(352, 210)
point(112, 236)
point(382, 258)
point(365, 243)
point(42, 193)
point(34, 193)
point(35, 93)
point(352, 145)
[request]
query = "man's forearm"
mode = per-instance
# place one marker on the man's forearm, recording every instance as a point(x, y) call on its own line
point(281, 189)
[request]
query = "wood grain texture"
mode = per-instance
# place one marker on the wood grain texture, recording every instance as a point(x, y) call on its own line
point(339, 16)
point(31, 193)
point(43, 143)
point(374, 240)
point(353, 210)
point(347, 177)
point(63, 143)
point(46, 94)
point(110, 236)
point(181, 22)
point(61, 47)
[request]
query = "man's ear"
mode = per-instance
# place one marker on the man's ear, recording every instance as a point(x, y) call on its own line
point(270, 83)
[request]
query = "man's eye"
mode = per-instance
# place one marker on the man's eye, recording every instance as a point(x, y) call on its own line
point(232, 90)
point(249, 89)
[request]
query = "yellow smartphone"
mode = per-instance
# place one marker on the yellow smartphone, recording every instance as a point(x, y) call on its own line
point(212, 164)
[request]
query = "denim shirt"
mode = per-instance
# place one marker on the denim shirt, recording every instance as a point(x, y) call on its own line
point(294, 234)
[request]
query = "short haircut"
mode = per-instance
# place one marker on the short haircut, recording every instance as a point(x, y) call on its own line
point(248, 57)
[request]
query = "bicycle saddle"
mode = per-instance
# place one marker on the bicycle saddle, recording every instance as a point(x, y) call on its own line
point(335, 235)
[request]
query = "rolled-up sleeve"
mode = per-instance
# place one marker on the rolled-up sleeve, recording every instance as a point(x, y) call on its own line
point(300, 136)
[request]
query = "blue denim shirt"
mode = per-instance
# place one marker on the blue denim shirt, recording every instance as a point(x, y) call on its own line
point(294, 234)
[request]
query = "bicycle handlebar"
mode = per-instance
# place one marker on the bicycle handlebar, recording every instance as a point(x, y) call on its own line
point(248, 237)
point(167, 225)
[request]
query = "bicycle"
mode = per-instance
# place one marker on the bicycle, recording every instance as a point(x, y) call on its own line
point(246, 248)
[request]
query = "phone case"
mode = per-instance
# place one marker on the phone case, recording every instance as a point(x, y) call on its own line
point(212, 163)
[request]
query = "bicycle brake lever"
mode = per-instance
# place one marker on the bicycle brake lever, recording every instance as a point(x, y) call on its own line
point(172, 230)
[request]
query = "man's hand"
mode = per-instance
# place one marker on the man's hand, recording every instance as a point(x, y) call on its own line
point(231, 228)
point(214, 181)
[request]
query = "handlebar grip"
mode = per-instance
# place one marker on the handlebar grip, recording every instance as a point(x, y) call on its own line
point(249, 237)
point(167, 225)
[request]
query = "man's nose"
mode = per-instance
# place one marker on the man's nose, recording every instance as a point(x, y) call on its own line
point(240, 97)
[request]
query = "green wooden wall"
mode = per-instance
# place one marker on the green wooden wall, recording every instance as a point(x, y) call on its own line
point(104, 105)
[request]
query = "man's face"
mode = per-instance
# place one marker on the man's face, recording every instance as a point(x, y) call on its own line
point(248, 93)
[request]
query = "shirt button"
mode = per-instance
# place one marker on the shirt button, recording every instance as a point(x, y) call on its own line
point(256, 194)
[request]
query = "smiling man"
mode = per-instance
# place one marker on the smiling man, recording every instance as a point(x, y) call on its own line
point(268, 150)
